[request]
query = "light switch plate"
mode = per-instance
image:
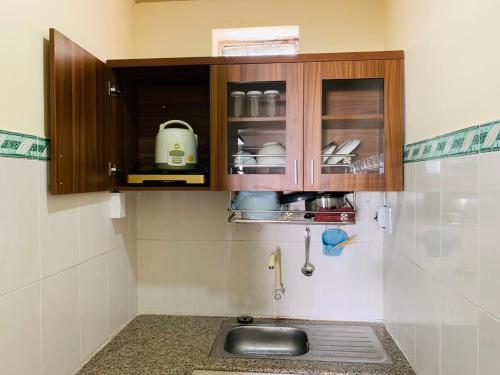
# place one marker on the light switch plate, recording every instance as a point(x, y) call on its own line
point(384, 218)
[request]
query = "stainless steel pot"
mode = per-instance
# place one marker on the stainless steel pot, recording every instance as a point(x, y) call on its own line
point(330, 200)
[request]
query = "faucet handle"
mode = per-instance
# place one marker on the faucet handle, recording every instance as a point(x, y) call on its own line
point(272, 261)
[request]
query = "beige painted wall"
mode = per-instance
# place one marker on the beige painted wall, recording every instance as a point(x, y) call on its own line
point(102, 27)
point(184, 28)
point(452, 75)
point(452, 59)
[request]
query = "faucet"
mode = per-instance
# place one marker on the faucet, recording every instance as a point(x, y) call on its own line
point(275, 264)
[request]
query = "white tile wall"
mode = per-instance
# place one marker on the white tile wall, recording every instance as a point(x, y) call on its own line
point(427, 214)
point(19, 223)
point(21, 335)
point(391, 278)
point(407, 307)
point(191, 261)
point(488, 342)
point(442, 305)
point(458, 261)
point(67, 272)
point(183, 276)
point(94, 224)
point(458, 334)
point(60, 324)
point(489, 233)
point(58, 248)
point(427, 324)
point(251, 283)
point(120, 288)
point(183, 216)
point(94, 308)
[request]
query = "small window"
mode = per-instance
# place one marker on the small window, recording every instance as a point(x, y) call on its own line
point(256, 41)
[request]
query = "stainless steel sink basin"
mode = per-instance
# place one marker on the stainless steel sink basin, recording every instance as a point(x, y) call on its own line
point(265, 341)
point(305, 342)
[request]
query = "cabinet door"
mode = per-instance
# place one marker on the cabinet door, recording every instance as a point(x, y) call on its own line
point(353, 137)
point(257, 111)
point(80, 124)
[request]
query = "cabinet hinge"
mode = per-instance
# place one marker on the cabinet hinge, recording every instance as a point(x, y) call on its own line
point(113, 90)
point(113, 170)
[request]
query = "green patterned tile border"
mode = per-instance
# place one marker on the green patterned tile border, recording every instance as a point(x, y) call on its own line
point(479, 138)
point(473, 140)
point(24, 146)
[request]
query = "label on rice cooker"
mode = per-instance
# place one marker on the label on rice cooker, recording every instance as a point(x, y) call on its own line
point(176, 155)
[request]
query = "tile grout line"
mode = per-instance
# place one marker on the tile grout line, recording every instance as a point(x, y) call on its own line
point(53, 274)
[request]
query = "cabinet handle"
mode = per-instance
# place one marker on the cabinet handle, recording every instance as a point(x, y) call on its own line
point(296, 172)
point(312, 171)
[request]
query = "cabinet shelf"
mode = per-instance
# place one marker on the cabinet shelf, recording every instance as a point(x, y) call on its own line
point(257, 119)
point(288, 220)
point(369, 116)
point(293, 217)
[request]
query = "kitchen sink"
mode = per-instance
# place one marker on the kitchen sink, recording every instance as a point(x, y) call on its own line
point(309, 342)
point(264, 341)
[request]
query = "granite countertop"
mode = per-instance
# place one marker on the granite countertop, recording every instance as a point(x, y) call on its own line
point(177, 345)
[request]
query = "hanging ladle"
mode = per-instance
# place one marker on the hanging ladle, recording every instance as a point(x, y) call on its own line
point(308, 268)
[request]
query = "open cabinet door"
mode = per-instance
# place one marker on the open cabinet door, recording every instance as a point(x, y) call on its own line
point(82, 119)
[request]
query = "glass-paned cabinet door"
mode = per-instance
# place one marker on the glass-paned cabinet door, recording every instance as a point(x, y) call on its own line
point(256, 127)
point(352, 126)
point(261, 126)
point(347, 135)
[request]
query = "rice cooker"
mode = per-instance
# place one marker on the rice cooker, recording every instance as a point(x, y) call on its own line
point(176, 146)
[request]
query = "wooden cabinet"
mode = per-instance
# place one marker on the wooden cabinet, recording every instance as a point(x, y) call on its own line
point(353, 104)
point(247, 126)
point(81, 119)
point(263, 123)
point(349, 113)
point(104, 118)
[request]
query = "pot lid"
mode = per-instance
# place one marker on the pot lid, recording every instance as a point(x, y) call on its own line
point(332, 194)
point(298, 197)
point(237, 93)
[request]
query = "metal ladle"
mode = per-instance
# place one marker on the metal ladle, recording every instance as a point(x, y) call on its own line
point(308, 268)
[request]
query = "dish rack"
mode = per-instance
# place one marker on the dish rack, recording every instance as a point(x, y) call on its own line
point(253, 153)
point(369, 164)
point(365, 165)
point(339, 216)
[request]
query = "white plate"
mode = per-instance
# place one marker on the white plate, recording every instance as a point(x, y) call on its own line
point(345, 148)
point(328, 150)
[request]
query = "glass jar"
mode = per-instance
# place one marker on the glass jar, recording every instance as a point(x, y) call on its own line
point(238, 98)
point(271, 97)
point(254, 102)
